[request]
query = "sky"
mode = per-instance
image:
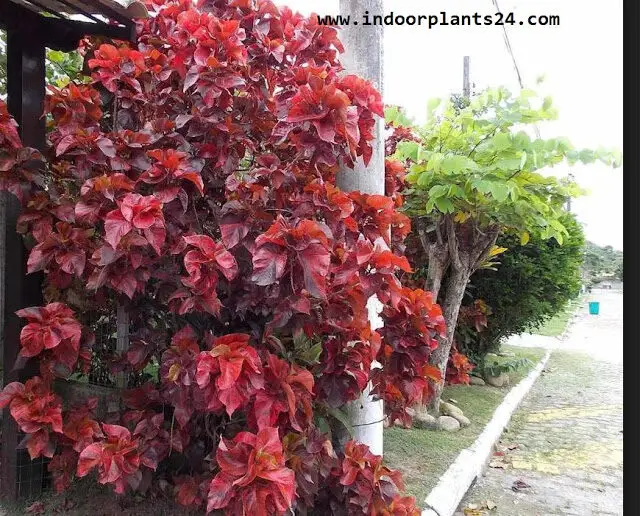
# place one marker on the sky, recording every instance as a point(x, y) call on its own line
point(581, 60)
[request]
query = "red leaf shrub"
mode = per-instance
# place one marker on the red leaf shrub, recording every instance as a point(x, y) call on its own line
point(193, 182)
point(458, 368)
point(253, 478)
point(369, 486)
point(37, 411)
point(116, 458)
point(230, 374)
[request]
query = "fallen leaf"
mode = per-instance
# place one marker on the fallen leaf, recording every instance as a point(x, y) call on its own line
point(451, 400)
point(498, 454)
point(35, 508)
point(518, 485)
point(496, 464)
point(473, 512)
point(513, 446)
point(491, 505)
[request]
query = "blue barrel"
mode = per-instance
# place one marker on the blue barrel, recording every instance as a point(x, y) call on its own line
point(594, 307)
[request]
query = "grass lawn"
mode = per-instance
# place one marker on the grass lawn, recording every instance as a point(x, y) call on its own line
point(424, 455)
point(557, 325)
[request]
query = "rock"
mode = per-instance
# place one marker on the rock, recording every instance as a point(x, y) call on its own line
point(448, 424)
point(463, 420)
point(476, 380)
point(447, 409)
point(411, 412)
point(506, 354)
point(498, 381)
point(425, 421)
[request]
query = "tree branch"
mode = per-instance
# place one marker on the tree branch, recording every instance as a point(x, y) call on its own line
point(422, 234)
point(453, 243)
point(489, 241)
point(482, 140)
point(439, 233)
point(514, 175)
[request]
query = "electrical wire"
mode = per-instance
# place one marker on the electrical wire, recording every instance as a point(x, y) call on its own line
point(507, 42)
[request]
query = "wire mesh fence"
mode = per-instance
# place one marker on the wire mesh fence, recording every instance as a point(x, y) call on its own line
point(111, 328)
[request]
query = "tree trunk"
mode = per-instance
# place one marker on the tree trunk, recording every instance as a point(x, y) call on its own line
point(456, 285)
point(437, 254)
point(437, 268)
point(465, 259)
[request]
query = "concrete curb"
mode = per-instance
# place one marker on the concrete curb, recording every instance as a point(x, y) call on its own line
point(444, 498)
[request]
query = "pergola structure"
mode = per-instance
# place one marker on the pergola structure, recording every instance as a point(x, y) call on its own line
point(32, 26)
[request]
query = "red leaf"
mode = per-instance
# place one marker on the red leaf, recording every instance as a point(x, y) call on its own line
point(116, 226)
point(106, 146)
point(315, 265)
point(10, 391)
point(89, 459)
point(233, 230)
point(269, 262)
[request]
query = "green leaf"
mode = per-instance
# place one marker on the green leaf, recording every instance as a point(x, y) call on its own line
point(455, 191)
point(342, 417)
point(311, 356)
point(423, 179)
point(438, 191)
point(499, 191)
point(322, 424)
point(444, 205)
point(523, 159)
point(455, 163)
point(408, 150)
point(482, 186)
point(524, 238)
point(435, 161)
point(301, 341)
point(513, 192)
point(501, 141)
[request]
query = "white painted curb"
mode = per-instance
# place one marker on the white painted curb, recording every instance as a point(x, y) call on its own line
point(444, 498)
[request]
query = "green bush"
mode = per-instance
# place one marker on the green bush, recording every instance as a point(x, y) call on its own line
point(532, 283)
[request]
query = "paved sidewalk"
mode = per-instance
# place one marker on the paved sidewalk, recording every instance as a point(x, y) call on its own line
point(568, 430)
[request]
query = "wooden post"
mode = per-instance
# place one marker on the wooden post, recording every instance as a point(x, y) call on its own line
point(26, 91)
point(122, 342)
point(364, 56)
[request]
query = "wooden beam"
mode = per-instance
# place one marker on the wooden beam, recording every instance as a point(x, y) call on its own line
point(57, 33)
point(112, 10)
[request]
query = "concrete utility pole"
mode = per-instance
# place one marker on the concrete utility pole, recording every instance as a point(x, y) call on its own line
point(466, 87)
point(364, 57)
point(571, 178)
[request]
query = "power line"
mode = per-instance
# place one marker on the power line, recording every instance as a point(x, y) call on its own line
point(507, 42)
point(505, 36)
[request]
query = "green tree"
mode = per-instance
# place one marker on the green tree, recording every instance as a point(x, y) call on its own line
point(601, 262)
point(532, 283)
point(474, 174)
